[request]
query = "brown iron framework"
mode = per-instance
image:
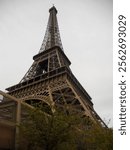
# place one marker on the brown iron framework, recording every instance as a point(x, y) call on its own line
point(51, 80)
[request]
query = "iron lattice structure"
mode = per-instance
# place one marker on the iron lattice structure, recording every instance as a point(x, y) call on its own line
point(51, 39)
point(50, 78)
point(52, 35)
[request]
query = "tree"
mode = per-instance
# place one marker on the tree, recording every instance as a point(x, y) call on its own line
point(62, 131)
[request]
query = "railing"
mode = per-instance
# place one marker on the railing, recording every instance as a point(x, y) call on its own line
point(41, 77)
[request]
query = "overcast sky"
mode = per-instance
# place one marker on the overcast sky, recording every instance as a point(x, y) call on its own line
point(86, 34)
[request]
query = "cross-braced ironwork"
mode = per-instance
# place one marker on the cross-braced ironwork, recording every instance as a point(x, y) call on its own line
point(51, 80)
point(52, 35)
point(51, 39)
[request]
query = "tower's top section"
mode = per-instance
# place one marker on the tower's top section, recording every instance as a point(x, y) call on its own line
point(53, 9)
point(52, 35)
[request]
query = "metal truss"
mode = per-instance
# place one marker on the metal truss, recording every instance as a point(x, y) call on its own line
point(50, 80)
point(51, 39)
point(52, 35)
point(59, 92)
point(46, 63)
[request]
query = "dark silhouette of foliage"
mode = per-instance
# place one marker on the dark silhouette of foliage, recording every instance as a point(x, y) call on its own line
point(62, 131)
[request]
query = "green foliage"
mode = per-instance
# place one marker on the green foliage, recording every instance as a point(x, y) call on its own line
point(60, 131)
point(96, 138)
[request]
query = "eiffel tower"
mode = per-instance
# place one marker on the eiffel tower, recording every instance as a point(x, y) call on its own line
point(50, 79)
